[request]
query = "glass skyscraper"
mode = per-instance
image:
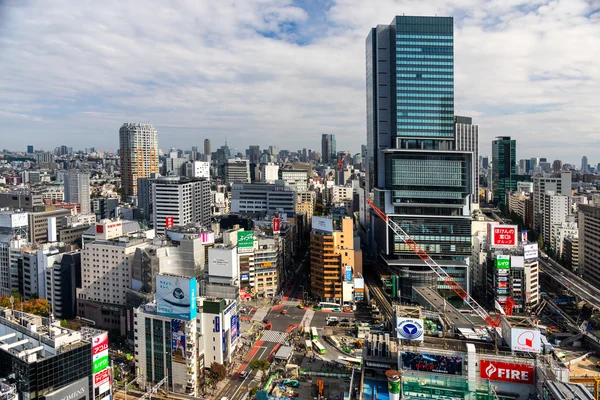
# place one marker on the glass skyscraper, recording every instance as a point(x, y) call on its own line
point(413, 168)
point(504, 167)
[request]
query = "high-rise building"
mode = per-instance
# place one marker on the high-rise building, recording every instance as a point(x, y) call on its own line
point(328, 148)
point(269, 173)
point(542, 184)
point(29, 149)
point(138, 145)
point(186, 201)
point(504, 167)
point(236, 170)
point(77, 190)
point(206, 148)
point(416, 175)
point(584, 165)
point(466, 136)
point(254, 154)
point(257, 197)
point(589, 243)
point(556, 209)
point(557, 166)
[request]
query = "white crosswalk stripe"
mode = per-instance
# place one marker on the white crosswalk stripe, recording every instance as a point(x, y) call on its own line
point(274, 337)
point(290, 303)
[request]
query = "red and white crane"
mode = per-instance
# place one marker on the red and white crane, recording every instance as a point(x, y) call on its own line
point(441, 273)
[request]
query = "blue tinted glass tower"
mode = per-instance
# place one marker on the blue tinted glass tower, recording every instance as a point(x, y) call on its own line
point(414, 171)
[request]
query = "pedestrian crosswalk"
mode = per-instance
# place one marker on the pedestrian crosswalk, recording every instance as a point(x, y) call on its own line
point(290, 303)
point(274, 337)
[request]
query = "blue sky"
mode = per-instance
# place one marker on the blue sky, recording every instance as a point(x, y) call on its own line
point(284, 72)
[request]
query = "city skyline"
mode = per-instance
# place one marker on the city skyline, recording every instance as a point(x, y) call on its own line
point(277, 76)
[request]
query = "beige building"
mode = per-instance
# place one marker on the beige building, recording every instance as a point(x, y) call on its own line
point(38, 224)
point(139, 155)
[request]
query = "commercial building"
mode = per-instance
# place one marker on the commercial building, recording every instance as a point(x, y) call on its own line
point(21, 200)
point(332, 251)
point(260, 197)
point(236, 171)
point(556, 211)
point(77, 190)
point(589, 243)
point(269, 173)
point(180, 201)
point(180, 349)
point(46, 361)
point(62, 279)
point(296, 179)
point(560, 185)
point(105, 207)
point(197, 169)
point(206, 149)
point(138, 145)
point(417, 177)
point(504, 167)
point(466, 136)
point(328, 148)
point(34, 264)
point(40, 222)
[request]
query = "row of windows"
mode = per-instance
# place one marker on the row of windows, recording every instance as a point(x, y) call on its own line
point(413, 43)
point(418, 88)
point(425, 69)
point(436, 114)
point(444, 82)
point(432, 134)
point(425, 128)
point(427, 194)
point(428, 121)
point(425, 49)
point(432, 56)
point(448, 102)
point(424, 36)
point(440, 109)
point(433, 76)
point(416, 62)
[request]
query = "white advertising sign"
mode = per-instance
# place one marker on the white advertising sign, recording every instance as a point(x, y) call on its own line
point(517, 262)
point(410, 329)
point(322, 224)
point(530, 251)
point(527, 340)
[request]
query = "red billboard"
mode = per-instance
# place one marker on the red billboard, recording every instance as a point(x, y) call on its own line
point(100, 344)
point(276, 225)
point(504, 235)
point(101, 377)
point(169, 222)
point(506, 372)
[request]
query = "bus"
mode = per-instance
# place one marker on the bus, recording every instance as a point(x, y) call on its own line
point(314, 334)
point(353, 361)
point(308, 345)
point(331, 339)
point(330, 306)
point(318, 347)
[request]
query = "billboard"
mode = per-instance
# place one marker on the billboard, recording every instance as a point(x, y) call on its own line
point(348, 273)
point(101, 377)
point(100, 346)
point(517, 262)
point(207, 237)
point(234, 328)
point(432, 363)
point(506, 372)
point(524, 237)
point(503, 285)
point(169, 222)
point(177, 341)
point(410, 329)
point(527, 340)
point(530, 251)
point(359, 283)
point(100, 364)
point(322, 224)
point(176, 296)
point(502, 262)
point(503, 235)
point(276, 225)
point(245, 241)
point(100, 360)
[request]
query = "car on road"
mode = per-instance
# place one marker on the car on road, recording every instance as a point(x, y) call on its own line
point(243, 374)
point(283, 312)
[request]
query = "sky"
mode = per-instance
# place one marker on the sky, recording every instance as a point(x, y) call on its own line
point(283, 72)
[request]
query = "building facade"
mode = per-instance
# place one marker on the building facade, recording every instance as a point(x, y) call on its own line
point(77, 190)
point(138, 145)
point(259, 197)
point(504, 167)
point(328, 148)
point(589, 243)
point(236, 171)
point(467, 139)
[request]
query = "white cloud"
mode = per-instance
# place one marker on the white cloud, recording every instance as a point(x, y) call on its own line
point(254, 71)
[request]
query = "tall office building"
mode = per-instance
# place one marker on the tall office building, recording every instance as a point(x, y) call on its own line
point(466, 136)
point(328, 149)
point(416, 175)
point(589, 243)
point(236, 170)
point(29, 149)
point(77, 190)
point(206, 148)
point(187, 201)
point(584, 165)
point(139, 155)
point(504, 167)
point(254, 154)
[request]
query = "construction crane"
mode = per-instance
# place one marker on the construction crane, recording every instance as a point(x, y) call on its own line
point(441, 273)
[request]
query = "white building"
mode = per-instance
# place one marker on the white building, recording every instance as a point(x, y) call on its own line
point(180, 201)
point(223, 266)
point(542, 184)
point(269, 173)
point(256, 197)
point(236, 170)
point(77, 190)
point(296, 179)
point(556, 209)
point(197, 169)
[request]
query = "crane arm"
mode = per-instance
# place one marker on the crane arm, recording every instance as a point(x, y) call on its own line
point(439, 271)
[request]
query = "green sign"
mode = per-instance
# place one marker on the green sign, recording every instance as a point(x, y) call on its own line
point(245, 239)
point(100, 364)
point(503, 262)
point(394, 386)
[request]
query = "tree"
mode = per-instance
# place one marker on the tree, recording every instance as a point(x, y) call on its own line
point(540, 242)
point(64, 323)
point(261, 364)
point(217, 372)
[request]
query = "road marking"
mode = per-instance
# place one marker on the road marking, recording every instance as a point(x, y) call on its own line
point(246, 378)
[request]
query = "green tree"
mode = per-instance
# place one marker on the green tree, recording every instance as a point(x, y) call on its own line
point(261, 364)
point(64, 323)
point(540, 242)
